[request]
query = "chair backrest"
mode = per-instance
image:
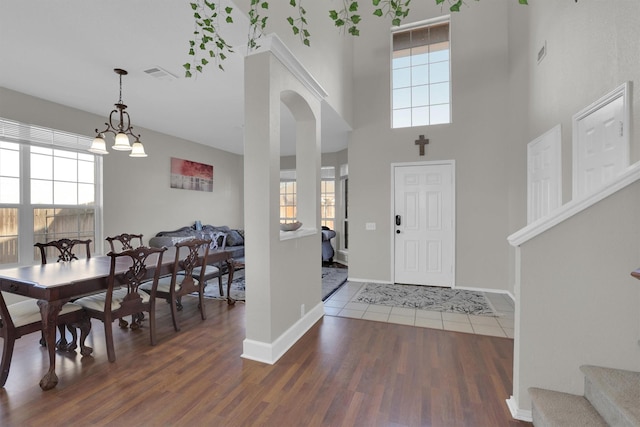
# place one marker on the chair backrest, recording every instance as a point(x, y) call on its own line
point(197, 251)
point(65, 249)
point(125, 241)
point(218, 240)
point(6, 323)
point(139, 260)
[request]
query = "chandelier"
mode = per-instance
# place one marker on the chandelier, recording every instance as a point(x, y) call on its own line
point(121, 131)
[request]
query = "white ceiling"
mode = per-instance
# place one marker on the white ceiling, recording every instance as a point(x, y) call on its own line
point(65, 51)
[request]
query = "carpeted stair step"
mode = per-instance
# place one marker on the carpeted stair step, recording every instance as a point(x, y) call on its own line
point(556, 409)
point(614, 393)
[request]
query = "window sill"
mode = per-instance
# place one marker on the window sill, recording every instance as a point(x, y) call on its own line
point(301, 232)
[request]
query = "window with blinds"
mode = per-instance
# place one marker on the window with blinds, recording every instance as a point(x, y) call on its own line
point(49, 189)
point(421, 89)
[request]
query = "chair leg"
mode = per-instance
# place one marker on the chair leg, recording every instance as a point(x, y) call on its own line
point(7, 354)
point(152, 323)
point(108, 335)
point(136, 320)
point(85, 329)
point(174, 313)
point(74, 338)
point(203, 313)
point(220, 281)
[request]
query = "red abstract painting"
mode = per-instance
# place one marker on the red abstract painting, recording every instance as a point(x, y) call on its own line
point(189, 175)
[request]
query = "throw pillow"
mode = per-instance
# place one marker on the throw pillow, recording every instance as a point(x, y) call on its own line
point(234, 238)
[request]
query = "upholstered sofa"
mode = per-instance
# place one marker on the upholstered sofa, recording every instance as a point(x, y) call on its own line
point(222, 237)
point(327, 247)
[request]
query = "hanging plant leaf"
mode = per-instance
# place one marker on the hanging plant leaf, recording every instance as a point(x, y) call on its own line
point(208, 15)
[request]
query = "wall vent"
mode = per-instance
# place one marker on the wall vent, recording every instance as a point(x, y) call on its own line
point(160, 73)
point(542, 52)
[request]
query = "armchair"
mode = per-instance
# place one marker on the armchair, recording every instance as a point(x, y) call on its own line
point(327, 248)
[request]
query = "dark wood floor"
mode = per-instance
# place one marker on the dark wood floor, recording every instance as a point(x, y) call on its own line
point(344, 372)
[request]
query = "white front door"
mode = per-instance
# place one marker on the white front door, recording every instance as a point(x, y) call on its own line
point(544, 174)
point(601, 142)
point(423, 224)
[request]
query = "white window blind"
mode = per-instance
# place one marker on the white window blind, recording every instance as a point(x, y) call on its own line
point(13, 131)
point(421, 75)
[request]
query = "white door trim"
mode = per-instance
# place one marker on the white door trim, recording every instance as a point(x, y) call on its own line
point(451, 163)
point(623, 91)
point(552, 138)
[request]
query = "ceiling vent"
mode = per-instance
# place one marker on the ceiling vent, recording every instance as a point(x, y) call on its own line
point(161, 74)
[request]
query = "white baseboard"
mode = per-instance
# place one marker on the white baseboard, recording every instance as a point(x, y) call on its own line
point(342, 257)
point(270, 352)
point(355, 279)
point(517, 413)
point(493, 291)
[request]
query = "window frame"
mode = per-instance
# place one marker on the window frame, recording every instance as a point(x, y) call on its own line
point(324, 220)
point(446, 19)
point(27, 136)
point(344, 200)
point(288, 176)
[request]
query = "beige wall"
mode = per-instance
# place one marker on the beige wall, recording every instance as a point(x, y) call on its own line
point(137, 197)
point(283, 276)
point(518, 129)
point(328, 60)
point(577, 302)
point(592, 48)
point(476, 140)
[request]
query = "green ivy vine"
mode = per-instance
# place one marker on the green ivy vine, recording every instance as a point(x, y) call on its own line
point(206, 35)
point(348, 16)
point(299, 24)
point(210, 15)
point(257, 22)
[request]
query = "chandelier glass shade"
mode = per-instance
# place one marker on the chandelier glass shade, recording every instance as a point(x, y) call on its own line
point(121, 130)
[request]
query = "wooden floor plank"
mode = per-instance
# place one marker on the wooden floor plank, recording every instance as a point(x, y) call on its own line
point(344, 371)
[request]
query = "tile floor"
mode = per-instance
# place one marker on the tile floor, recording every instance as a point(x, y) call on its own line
point(339, 304)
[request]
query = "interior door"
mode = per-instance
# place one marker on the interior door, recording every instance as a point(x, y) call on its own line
point(601, 145)
point(544, 174)
point(424, 224)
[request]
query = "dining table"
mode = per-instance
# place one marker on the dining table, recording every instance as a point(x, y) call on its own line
point(55, 284)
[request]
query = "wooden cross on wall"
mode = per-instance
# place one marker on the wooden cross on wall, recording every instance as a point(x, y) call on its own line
point(422, 142)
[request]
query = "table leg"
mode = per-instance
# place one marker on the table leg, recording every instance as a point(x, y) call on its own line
point(49, 312)
point(230, 268)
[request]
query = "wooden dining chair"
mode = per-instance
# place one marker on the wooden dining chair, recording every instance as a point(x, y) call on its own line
point(125, 240)
point(65, 249)
point(65, 253)
point(20, 316)
point(123, 296)
point(187, 277)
